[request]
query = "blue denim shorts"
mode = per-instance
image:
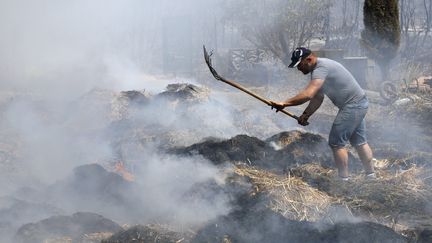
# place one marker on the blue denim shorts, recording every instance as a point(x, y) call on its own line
point(349, 125)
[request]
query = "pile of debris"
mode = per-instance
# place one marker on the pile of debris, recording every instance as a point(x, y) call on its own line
point(184, 92)
point(283, 188)
point(95, 189)
point(414, 108)
point(127, 103)
point(149, 233)
point(398, 199)
point(302, 205)
point(80, 227)
point(420, 84)
point(117, 106)
point(294, 207)
point(288, 195)
point(267, 226)
point(16, 212)
point(279, 152)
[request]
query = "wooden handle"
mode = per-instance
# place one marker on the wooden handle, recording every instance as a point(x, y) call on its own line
point(238, 86)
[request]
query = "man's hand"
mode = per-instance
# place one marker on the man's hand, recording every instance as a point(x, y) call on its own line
point(278, 106)
point(302, 120)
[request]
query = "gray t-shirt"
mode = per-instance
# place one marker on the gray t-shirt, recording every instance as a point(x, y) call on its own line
point(339, 84)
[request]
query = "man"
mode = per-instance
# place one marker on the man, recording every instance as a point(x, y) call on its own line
point(330, 78)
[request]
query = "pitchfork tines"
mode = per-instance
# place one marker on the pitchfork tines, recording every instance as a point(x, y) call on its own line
point(208, 60)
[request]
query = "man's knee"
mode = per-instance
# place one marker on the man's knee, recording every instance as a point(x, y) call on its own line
point(364, 148)
point(339, 150)
point(360, 146)
point(337, 145)
point(364, 151)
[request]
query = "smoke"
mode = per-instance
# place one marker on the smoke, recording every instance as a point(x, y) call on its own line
point(182, 192)
point(49, 147)
point(53, 137)
point(176, 187)
point(53, 54)
point(63, 48)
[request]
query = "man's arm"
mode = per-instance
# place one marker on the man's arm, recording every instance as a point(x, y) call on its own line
point(314, 104)
point(307, 94)
point(304, 96)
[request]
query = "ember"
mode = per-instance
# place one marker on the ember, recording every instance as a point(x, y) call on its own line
point(120, 169)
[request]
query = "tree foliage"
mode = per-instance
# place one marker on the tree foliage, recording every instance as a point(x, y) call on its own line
point(278, 25)
point(381, 36)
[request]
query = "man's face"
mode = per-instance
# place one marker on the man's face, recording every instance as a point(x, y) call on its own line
point(305, 66)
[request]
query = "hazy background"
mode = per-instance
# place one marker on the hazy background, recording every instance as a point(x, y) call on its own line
point(67, 47)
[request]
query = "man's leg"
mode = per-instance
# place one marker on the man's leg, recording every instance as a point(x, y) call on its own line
point(345, 124)
point(340, 155)
point(365, 154)
point(359, 141)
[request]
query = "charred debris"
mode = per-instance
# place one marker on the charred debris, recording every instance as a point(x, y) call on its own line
point(280, 188)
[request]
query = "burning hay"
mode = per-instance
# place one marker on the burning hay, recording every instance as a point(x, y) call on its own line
point(289, 195)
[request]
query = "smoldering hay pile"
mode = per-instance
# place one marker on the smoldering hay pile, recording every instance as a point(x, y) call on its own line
point(281, 187)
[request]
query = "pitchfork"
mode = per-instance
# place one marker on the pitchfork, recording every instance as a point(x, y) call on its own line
point(238, 86)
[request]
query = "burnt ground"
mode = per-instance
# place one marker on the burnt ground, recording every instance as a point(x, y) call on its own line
point(278, 153)
point(16, 212)
point(389, 200)
point(73, 228)
point(267, 226)
point(395, 207)
point(149, 233)
point(400, 137)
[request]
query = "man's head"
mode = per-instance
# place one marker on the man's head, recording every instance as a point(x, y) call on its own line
point(303, 59)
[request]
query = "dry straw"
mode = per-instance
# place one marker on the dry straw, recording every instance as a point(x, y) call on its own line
point(289, 195)
point(390, 198)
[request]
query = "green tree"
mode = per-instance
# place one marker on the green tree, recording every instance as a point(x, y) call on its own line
point(381, 35)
